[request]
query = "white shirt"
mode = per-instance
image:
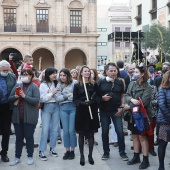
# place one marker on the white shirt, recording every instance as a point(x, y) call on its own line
point(46, 95)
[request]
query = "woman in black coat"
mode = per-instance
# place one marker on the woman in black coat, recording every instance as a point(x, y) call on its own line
point(84, 123)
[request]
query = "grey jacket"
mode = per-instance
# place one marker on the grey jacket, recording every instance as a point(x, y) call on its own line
point(30, 105)
point(61, 95)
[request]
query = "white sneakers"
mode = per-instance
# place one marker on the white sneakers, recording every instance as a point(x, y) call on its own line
point(30, 161)
point(14, 162)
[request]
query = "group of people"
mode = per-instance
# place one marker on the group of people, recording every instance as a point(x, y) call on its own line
point(78, 98)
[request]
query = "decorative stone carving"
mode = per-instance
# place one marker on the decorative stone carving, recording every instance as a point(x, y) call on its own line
point(12, 3)
point(42, 4)
point(76, 4)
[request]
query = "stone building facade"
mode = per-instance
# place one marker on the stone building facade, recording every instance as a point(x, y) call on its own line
point(60, 33)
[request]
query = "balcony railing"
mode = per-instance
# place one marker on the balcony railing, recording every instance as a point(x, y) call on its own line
point(42, 29)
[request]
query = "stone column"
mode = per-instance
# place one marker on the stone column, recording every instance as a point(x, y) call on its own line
point(59, 58)
point(92, 59)
point(92, 16)
point(59, 15)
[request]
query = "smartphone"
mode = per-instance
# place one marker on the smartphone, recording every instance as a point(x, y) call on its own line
point(18, 89)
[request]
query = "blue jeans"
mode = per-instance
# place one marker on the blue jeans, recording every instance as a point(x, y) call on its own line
point(67, 115)
point(105, 122)
point(50, 114)
point(58, 131)
point(24, 130)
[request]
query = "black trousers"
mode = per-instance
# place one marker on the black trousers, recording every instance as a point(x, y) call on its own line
point(5, 126)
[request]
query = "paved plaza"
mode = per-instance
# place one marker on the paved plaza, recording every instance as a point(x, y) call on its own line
point(114, 163)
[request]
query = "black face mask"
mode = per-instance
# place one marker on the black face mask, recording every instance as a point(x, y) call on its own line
point(164, 71)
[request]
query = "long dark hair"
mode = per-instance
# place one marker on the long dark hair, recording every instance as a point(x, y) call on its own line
point(165, 80)
point(48, 72)
point(67, 72)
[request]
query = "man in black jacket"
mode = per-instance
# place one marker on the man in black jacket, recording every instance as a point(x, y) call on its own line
point(7, 82)
point(112, 94)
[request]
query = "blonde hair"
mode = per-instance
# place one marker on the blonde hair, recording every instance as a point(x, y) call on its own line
point(80, 81)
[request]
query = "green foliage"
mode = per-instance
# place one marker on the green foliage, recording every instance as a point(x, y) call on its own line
point(158, 66)
point(158, 37)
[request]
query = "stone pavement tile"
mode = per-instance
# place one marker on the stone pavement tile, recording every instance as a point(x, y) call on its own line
point(57, 163)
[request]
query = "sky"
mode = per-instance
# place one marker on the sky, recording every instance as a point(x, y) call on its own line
point(108, 2)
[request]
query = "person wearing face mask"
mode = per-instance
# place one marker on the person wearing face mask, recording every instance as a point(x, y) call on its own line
point(7, 82)
point(130, 68)
point(152, 75)
point(25, 115)
point(165, 68)
point(139, 88)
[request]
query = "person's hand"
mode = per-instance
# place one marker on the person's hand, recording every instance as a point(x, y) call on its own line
point(10, 57)
point(135, 102)
point(106, 97)
point(126, 107)
point(84, 103)
point(16, 96)
point(119, 113)
point(69, 94)
point(22, 94)
point(55, 91)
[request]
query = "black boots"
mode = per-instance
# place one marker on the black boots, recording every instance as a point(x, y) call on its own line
point(135, 159)
point(145, 163)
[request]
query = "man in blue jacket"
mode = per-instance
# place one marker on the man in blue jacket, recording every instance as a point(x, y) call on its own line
point(7, 82)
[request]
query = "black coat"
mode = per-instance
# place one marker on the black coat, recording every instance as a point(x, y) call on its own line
point(83, 121)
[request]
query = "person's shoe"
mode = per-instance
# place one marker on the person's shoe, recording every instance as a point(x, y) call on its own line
point(14, 162)
point(145, 163)
point(156, 142)
point(36, 145)
point(53, 153)
point(59, 140)
point(66, 155)
point(82, 160)
point(134, 160)
point(106, 156)
point(116, 144)
point(42, 156)
point(90, 159)
point(30, 161)
point(152, 152)
point(4, 158)
point(124, 156)
point(71, 155)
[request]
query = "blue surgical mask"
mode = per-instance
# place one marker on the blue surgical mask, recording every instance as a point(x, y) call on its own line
point(3, 74)
point(136, 76)
point(151, 70)
point(131, 72)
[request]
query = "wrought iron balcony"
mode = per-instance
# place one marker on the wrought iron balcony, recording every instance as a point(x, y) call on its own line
point(41, 29)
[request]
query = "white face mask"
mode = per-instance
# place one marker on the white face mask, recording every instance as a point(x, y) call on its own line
point(109, 79)
point(25, 79)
